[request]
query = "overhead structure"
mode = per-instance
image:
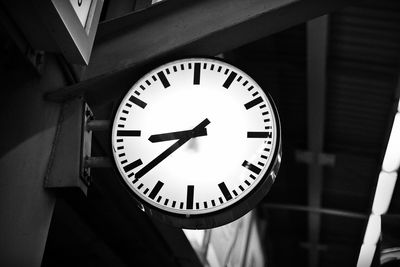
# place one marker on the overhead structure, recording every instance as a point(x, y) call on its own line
point(179, 28)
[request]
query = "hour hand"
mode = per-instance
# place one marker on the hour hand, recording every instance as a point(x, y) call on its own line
point(177, 135)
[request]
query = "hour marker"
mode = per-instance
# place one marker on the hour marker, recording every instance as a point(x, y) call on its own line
point(133, 165)
point(163, 79)
point(251, 167)
point(225, 191)
point(137, 101)
point(128, 133)
point(230, 79)
point(189, 197)
point(196, 77)
point(253, 102)
point(156, 189)
point(259, 135)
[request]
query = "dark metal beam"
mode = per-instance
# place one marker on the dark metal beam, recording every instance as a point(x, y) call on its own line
point(317, 42)
point(180, 28)
point(118, 8)
point(333, 212)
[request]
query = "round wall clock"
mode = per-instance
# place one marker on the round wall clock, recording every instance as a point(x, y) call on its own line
point(197, 142)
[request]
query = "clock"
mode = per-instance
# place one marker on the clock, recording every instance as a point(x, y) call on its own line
point(197, 143)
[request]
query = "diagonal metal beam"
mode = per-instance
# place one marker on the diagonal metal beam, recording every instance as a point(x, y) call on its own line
point(317, 42)
point(180, 28)
point(320, 210)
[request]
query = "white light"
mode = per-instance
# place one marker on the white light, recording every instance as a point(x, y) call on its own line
point(384, 192)
point(366, 255)
point(373, 230)
point(391, 161)
point(195, 237)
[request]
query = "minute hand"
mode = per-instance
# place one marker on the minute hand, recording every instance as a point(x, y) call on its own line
point(170, 150)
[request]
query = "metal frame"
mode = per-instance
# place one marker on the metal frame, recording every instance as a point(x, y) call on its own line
point(74, 40)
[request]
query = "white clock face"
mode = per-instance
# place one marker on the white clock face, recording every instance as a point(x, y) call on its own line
point(194, 136)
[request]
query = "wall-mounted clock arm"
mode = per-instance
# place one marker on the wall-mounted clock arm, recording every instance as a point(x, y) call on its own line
point(71, 159)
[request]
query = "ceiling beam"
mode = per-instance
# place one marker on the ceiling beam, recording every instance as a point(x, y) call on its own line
point(181, 28)
point(317, 46)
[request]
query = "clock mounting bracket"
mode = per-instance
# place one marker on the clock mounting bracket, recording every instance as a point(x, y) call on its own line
point(70, 162)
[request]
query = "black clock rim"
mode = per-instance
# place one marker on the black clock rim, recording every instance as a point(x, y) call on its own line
point(227, 214)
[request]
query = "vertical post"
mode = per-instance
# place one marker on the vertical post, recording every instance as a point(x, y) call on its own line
point(317, 46)
point(27, 134)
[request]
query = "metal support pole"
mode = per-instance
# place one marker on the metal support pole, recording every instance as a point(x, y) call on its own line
point(98, 125)
point(98, 162)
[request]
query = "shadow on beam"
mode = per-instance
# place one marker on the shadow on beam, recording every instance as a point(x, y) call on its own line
point(140, 40)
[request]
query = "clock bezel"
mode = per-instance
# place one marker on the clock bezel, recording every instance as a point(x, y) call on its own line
point(226, 214)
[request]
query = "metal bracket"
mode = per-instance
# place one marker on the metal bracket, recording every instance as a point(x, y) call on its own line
point(70, 161)
point(86, 144)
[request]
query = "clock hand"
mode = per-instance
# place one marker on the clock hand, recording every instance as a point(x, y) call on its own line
point(176, 135)
point(171, 149)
